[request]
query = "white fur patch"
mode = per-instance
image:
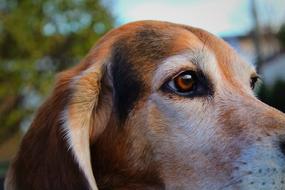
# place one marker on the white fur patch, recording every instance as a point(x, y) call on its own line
point(263, 168)
point(192, 60)
point(77, 139)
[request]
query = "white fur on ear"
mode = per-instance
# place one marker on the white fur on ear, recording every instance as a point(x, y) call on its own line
point(78, 118)
point(9, 181)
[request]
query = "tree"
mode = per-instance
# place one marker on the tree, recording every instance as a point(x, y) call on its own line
point(273, 96)
point(281, 36)
point(37, 39)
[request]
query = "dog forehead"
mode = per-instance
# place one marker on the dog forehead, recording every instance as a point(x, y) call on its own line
point(147, 43)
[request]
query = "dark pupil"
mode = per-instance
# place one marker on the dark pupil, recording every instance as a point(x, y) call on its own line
point(187, 79)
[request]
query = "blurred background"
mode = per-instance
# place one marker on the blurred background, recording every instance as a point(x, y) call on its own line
point(39, 38)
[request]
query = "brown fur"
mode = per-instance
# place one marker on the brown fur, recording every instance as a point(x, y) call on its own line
point(44, 157)
point(109, 98)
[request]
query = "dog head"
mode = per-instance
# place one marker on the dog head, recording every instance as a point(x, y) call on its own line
point(154, 105)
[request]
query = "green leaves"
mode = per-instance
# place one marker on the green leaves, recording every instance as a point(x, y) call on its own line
point(37, 39)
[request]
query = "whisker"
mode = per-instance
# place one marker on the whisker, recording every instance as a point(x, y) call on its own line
point(235, 181)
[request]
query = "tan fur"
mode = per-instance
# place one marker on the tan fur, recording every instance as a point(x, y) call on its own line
point(117, 129)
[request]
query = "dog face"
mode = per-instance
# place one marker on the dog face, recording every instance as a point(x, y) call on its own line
point(157, 105)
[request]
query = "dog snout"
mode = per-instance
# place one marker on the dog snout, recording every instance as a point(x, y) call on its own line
point(273, 123)
point(265, 117)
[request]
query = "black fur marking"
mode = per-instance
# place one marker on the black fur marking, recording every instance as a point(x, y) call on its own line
point(126, 81)
point(146, 46)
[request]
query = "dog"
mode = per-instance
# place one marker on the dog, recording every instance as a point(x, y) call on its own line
point(154, 105)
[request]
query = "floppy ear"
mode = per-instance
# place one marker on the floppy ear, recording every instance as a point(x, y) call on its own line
point(87, 115)
point(55, 152)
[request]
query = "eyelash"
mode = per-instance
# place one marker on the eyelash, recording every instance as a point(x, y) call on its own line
point(253, 81)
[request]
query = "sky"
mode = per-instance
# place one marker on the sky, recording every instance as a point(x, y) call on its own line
point(221, 17)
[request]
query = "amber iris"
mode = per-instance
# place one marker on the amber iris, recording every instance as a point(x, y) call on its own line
point(184, 82)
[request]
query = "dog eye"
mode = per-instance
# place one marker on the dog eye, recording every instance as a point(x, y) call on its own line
point(253, 81)
point(189, 84)
point(183, 83)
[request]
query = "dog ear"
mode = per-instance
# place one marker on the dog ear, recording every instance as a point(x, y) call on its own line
point(87, 114)
point(55, 152)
